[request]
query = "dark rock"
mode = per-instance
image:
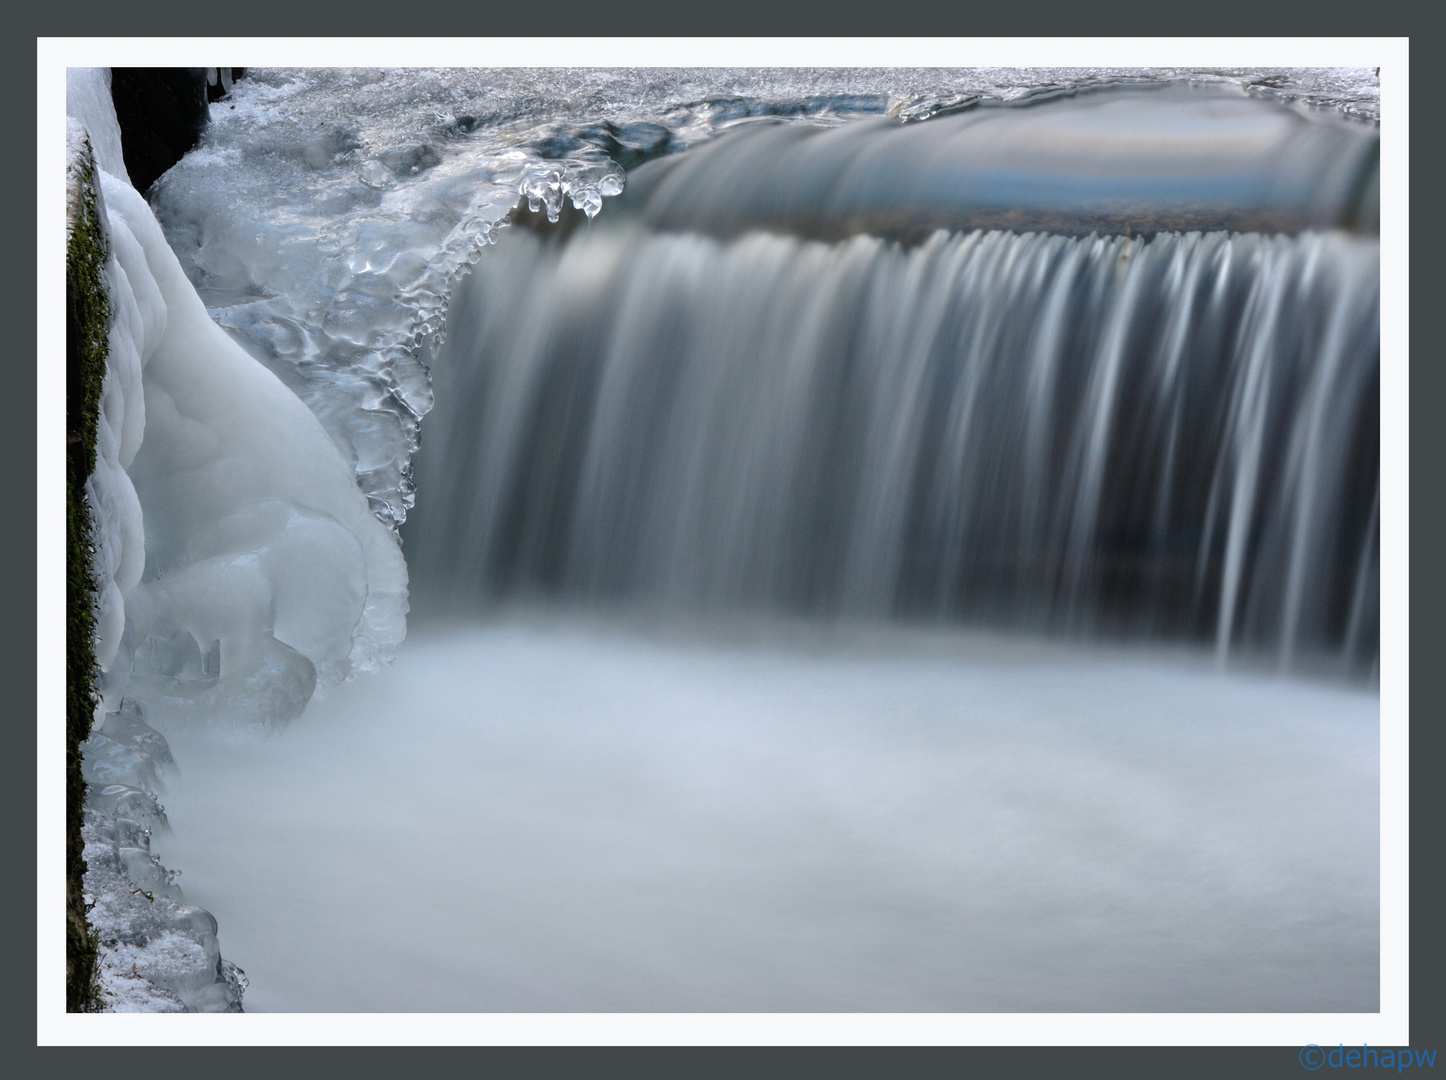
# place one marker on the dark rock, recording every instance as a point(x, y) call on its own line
point(162, 113)
point(218, 86)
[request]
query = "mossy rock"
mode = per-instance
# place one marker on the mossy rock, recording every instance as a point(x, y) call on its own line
point(87, 323)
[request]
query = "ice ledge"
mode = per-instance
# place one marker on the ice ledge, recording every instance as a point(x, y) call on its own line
point(157, 952)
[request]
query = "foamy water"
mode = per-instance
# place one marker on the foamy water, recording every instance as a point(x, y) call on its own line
point(552, 814)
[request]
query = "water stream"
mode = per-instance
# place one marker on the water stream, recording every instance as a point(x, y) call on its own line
point(888, 563)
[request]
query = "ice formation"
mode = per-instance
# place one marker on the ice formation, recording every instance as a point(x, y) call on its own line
point(87, 101)
point(241, 566)
point(238, 567)
point(119, 540)
point(157, 952)
point(265, 571)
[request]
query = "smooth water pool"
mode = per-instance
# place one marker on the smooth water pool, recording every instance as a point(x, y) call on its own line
point(547, 813)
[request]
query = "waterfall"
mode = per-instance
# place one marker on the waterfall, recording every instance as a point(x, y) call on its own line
point(1174, 438)
point(886, 362)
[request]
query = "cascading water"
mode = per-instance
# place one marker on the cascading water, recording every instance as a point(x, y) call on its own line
point(824, 552)
point(1168, 437)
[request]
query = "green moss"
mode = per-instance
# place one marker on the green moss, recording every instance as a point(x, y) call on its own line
point(87, 319)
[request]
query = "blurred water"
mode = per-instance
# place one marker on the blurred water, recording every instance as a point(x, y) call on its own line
point(1116, 436)
point(545, 813)
point(1166, 438)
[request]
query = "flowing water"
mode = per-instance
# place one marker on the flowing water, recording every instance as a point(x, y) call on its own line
point(1172, 438)
point(874, 564)
point(562, 814)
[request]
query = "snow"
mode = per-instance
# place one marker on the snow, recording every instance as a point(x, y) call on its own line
point(87, 99)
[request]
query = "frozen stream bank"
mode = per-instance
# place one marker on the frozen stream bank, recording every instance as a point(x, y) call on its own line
point(543, 815)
